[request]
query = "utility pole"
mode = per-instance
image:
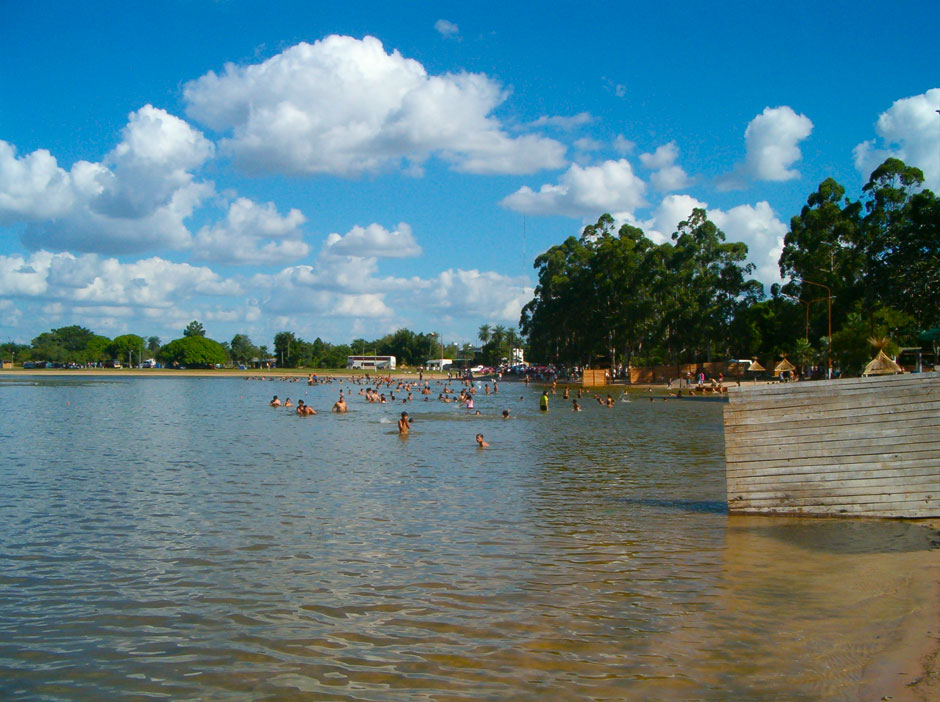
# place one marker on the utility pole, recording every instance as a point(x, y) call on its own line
point(829, 300)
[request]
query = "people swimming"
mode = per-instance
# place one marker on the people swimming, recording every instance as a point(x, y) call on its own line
point(543, 401)
point(304, 409)
point(575, 407)
point(275, 402)
point(340, 405)
point(481, 442)
point(404, 424)
point(505, 414)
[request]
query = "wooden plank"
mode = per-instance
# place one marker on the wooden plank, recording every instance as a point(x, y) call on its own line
point(843, 412)
point(835, 454)
point(913, 419)
point(836, 472)
point(894, 512)
point(857, 490)
point(889, 479)
point(868, 400)
point(839, 438)
point(844, 385)
point(885, 501)
point(862, 394)
point(829, 461)
point(913, 428)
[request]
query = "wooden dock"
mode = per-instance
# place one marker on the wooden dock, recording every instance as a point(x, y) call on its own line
point(853, 447)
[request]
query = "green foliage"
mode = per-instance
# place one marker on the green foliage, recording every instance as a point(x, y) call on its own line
point(192, 352)
point(72, 344)
point(124, 347)
point(17, 353)
point(612, 295)
point(242, 350)
point(194, 328)
point(877, 255)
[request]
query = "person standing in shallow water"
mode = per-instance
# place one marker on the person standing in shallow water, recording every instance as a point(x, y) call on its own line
point(403, 425)
point(543, 401)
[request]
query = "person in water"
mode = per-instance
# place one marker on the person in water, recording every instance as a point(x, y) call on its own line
point(275, 402)
point(575, 407)
point(506, 414)
point(340, 404)
point(404, 424)
point(304, 409)
point(543, 401)
point(481, 442)
point(288, 403)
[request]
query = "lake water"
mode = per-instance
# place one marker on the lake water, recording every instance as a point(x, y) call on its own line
point(179, 539)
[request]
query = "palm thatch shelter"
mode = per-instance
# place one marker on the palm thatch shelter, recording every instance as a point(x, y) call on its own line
point(784, 367)
point(757, 367)
point(882, 364)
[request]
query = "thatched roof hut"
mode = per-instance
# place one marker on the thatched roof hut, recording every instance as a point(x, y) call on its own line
point(755, 366)
point(784, 367)
point(882, 365)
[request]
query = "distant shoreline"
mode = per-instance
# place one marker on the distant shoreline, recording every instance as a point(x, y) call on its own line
point(207, 373)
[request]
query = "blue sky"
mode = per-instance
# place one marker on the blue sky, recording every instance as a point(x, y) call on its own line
point(345, 169)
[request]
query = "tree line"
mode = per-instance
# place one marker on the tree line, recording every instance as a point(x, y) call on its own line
point(78, 345)
point(610, 297)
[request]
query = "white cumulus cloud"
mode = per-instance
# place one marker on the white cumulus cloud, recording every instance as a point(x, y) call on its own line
point(344, 106)
point(667, 176)
point(91, 279)
point(135, 200)
point(481, 294)
point(374, 241)
point(908, 130)
point(772, 141)
point(253, 234)
point(583, 191)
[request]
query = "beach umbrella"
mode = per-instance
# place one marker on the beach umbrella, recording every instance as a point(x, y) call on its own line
point(882, 365)
point(756, 368)
point(784, 366)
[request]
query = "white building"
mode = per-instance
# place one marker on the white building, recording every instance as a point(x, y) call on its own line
point(370, 362)
point(438, 364)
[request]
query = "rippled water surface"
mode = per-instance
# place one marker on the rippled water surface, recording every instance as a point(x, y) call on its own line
point(179, 539)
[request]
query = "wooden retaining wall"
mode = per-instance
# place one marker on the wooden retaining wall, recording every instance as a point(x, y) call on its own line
point(860, 447)
point(593, 377)
point(642, 375)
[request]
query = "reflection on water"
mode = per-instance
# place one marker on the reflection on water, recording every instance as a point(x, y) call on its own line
point(178, 538)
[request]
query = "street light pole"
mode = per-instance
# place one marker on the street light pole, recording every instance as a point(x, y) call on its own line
point(829, 301)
